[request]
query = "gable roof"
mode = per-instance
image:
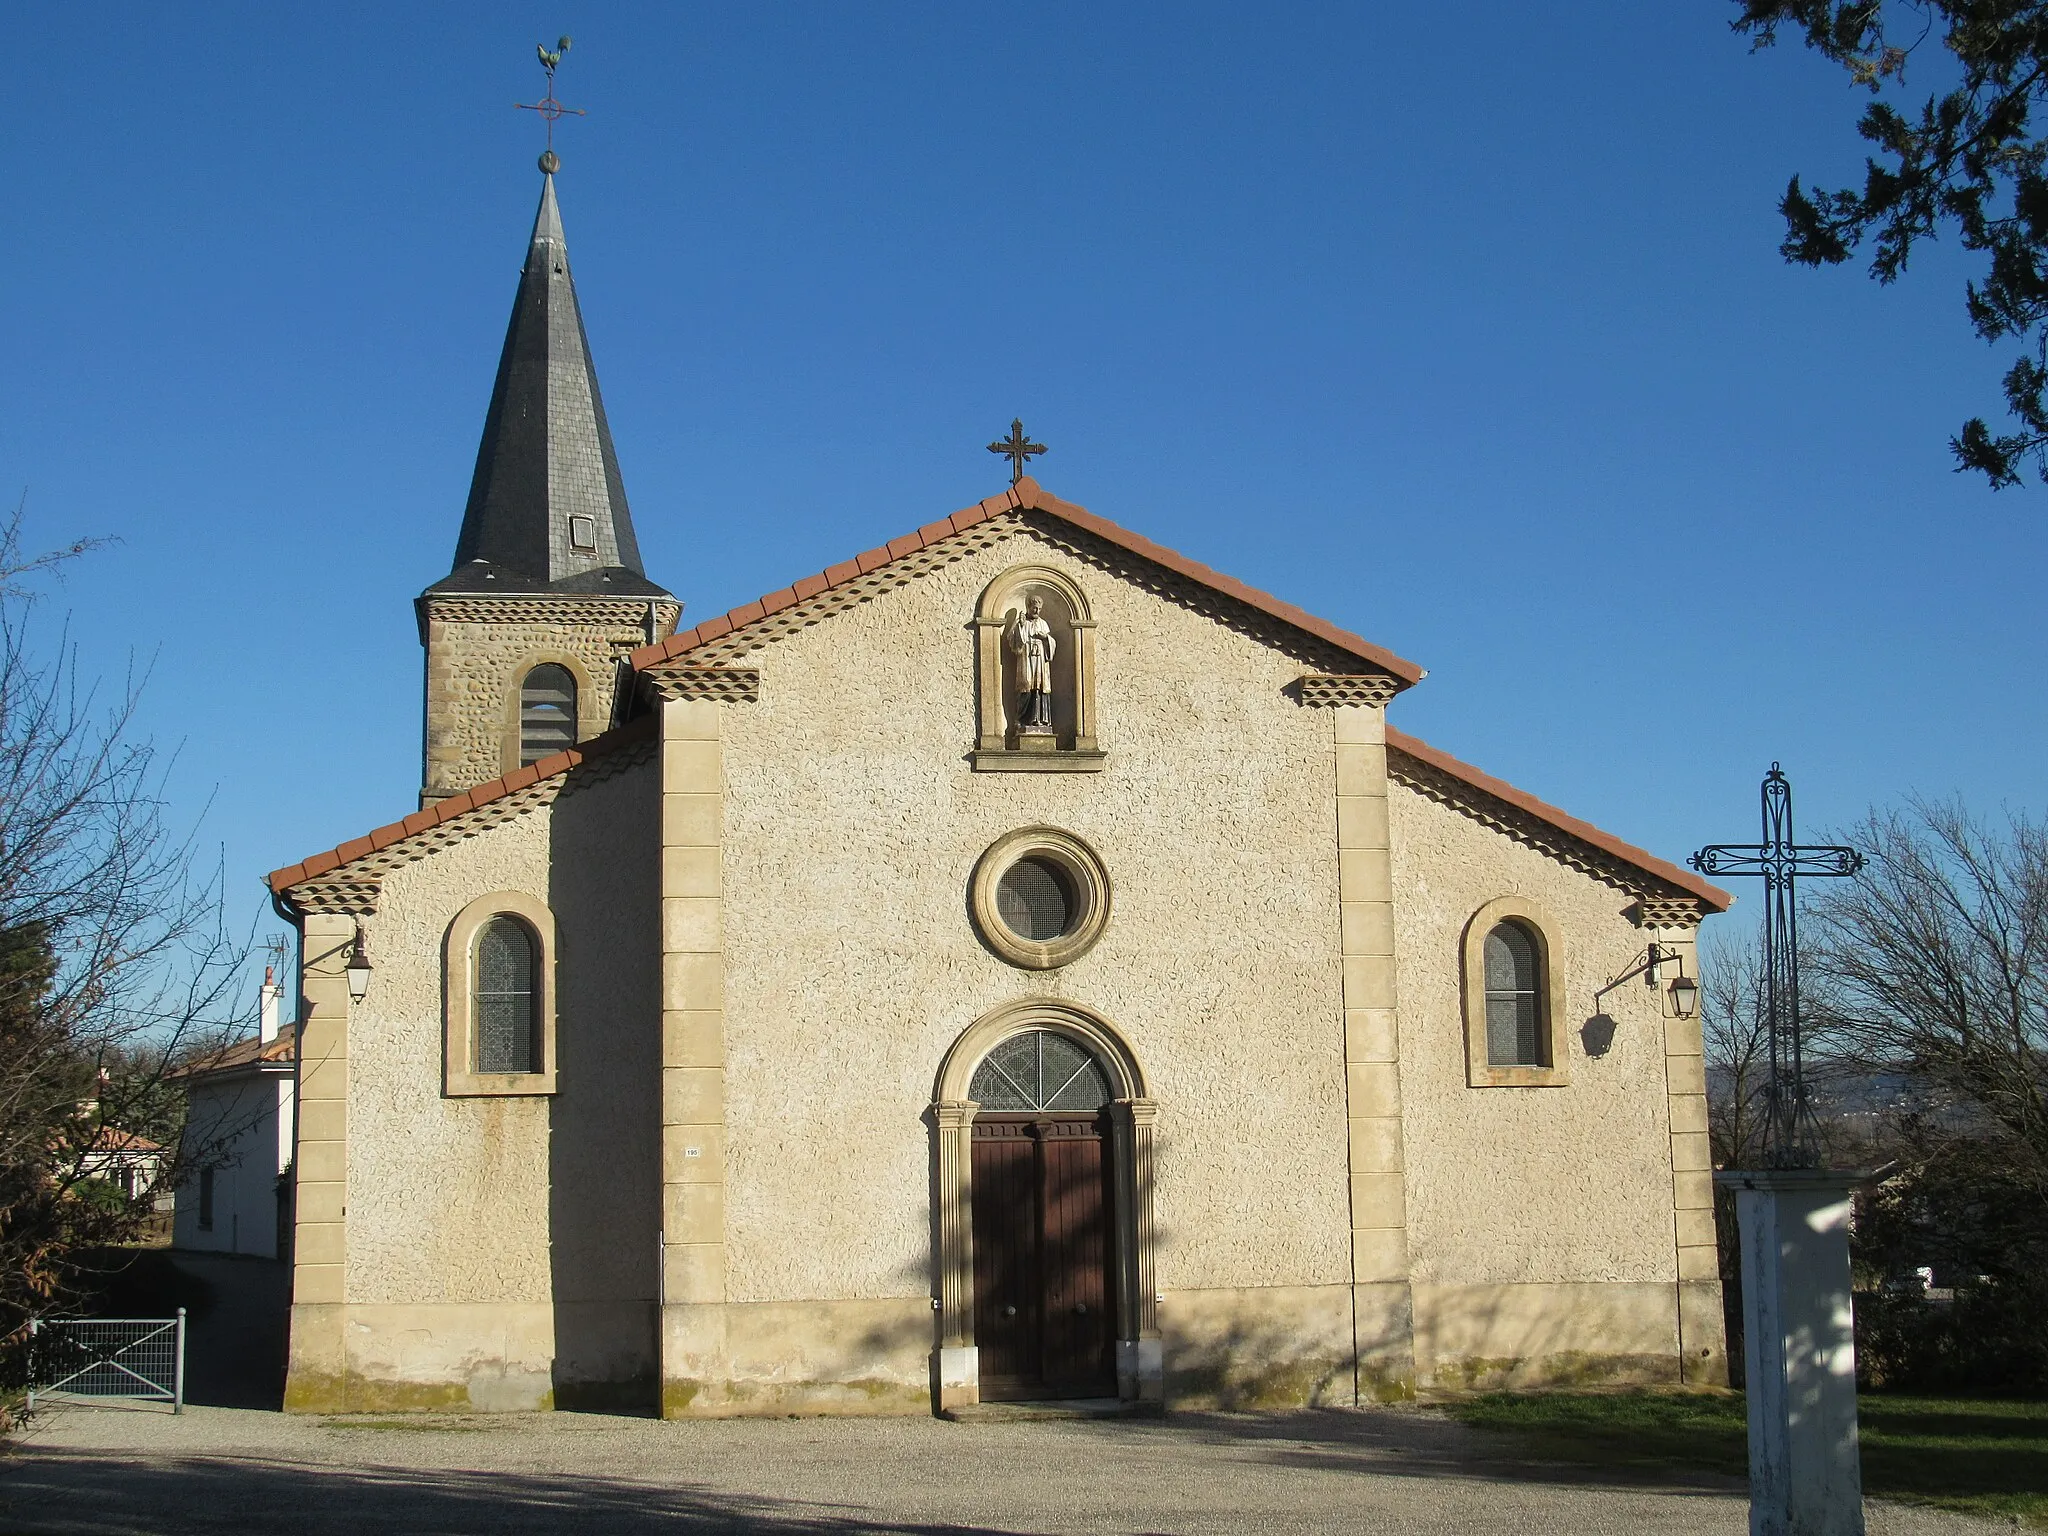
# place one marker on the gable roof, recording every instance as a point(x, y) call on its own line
point(1025, 496)
point(1559, 821)
point(1028, 496)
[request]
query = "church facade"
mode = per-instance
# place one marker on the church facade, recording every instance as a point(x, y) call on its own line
point(1014, 963)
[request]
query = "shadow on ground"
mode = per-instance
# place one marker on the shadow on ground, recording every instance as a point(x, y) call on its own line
point(1408, 1442)
point(689, 1477)
point(58, 1494)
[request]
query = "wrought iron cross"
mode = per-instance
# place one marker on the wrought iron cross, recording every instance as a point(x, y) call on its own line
point(1018, 448)
point(549, 108)
point(1789, 1124)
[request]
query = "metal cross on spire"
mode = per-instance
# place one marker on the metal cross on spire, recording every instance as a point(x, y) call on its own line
point(1018, 448)
point(549, 108)
point(1788, 1128)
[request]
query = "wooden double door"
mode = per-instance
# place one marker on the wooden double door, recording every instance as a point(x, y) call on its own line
point(1044, 1300)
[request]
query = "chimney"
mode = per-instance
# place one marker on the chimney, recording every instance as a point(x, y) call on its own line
point(267, 1027)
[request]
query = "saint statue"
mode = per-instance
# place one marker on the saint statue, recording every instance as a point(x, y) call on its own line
point(1034, 645)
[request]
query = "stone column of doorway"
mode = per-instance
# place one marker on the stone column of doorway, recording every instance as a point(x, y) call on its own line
point(956, 1364)
point(694, 1363)
point(1141, 1357)
point(316, 1380)
point(1383, 1336)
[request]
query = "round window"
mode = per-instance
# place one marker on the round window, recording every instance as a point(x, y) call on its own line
point(1034, 899)
point(1040, 898)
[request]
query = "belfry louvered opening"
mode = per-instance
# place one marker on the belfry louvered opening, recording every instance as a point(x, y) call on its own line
point(547, 713)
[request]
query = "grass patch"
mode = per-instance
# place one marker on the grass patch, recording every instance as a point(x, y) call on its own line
point(1983, 1457)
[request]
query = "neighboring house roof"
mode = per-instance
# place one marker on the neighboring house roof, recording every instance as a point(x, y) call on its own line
point(1604, 845)
point(1028, 496)
point(112, 1141)
point(244, 1055)
point(1601, 850)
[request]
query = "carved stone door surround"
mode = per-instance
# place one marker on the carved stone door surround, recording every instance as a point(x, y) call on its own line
point(955, 1360)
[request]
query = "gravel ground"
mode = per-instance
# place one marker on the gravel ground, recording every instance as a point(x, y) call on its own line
point(108, 1470)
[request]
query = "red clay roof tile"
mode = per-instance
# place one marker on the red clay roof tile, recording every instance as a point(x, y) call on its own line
point(1027, 493)
point(284, 879)
point(1584, 831)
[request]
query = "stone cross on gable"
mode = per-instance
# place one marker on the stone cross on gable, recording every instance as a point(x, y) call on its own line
point(1018, 448)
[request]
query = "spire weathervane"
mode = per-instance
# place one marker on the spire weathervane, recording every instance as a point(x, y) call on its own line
point(547, 106)
point(1017, 448)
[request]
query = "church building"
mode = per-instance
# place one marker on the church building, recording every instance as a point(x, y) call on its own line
point(1013, 963)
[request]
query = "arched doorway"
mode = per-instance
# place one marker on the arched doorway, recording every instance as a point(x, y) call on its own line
point(1044, 1291)
point(1043, 1212)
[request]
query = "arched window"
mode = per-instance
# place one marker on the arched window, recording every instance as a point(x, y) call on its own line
point(504, 997)
point(1516, 1030)
point(547, 713)
point(1040, 1070)
point(498, 997)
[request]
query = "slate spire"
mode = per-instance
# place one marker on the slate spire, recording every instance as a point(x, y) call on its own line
point(547, 509)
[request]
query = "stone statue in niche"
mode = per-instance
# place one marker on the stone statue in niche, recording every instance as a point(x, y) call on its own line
point(1033, 644)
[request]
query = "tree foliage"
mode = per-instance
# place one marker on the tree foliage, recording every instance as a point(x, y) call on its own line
point(114, 961)
point(1931, 972)
point(1968, 156)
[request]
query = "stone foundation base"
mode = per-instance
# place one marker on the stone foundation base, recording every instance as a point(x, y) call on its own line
point(1259, 1347)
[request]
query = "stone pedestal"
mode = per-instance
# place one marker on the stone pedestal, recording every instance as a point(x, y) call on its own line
point(1805, 1476)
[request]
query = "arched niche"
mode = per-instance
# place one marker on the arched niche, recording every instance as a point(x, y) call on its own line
point(1001, 737)
point(956, 1360)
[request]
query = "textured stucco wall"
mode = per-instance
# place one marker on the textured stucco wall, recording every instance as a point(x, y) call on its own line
point(1525, 1185)
point(448, 1198)
point(853, 823)
point(544, 1200)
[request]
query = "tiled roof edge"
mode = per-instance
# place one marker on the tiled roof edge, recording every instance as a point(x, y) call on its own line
point(1571, 826)
point(629, 734)
point(1025, 496)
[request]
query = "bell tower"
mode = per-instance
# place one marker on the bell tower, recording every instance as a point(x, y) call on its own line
point(525, 636)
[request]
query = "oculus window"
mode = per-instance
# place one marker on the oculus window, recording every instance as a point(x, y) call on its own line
point(1040, 898)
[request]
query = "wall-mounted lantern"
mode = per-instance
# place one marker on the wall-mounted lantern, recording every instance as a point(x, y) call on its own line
point(1685, 996)
point(359, 968)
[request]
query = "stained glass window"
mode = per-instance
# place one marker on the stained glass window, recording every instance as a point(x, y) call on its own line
point(505, 997)
point(1515, 1036)
point(1040, 1071)
point(547, 713)
point(1035, 900)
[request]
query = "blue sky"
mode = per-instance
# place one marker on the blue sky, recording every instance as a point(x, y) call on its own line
point(1463, 327)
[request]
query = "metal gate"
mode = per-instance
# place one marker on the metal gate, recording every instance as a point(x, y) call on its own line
point(94, 1357)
